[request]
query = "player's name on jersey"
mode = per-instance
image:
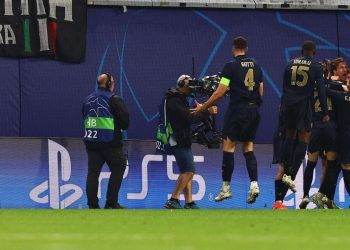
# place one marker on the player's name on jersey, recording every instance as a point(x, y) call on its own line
point(299, 61)
point(247, 64)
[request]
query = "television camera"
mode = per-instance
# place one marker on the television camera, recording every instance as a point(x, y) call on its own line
point(205, 133)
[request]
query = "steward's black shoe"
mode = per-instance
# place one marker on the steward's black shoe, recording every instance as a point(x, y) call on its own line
point(114, 206)
point(94, 207)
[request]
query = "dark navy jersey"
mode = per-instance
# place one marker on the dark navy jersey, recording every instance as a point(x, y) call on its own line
point(317, 113)
point(331, 105)
point(243, 76)
point(301, 76)
point(342, 100)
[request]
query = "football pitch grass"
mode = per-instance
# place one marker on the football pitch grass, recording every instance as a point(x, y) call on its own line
point(174, 229)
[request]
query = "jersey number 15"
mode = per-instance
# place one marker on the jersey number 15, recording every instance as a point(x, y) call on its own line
point(301, 71)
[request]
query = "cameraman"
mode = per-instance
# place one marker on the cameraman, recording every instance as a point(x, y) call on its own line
point(243, 76)
point(180, 118)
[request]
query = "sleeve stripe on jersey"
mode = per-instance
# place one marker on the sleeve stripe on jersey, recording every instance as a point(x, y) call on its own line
point(224, 81)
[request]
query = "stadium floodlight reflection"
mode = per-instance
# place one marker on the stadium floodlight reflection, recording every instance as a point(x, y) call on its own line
point(250, 4)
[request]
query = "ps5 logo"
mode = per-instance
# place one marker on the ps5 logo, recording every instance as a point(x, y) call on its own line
point(53, 183)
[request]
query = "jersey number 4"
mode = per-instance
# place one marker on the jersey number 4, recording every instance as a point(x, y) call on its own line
point(301, 71)
point(249, 80)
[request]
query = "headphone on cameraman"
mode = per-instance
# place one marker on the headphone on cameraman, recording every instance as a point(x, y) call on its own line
point(182, 80)
point(109, 80)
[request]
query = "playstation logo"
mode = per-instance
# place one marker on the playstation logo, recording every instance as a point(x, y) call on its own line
point(52, 184)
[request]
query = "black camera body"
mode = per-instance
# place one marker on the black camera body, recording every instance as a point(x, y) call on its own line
point(205, 133)
point(205, 86)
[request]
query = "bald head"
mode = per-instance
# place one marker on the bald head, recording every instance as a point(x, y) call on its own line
point(103, 79)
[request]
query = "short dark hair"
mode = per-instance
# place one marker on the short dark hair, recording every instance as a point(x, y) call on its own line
point(308, 46)
point(240, 42)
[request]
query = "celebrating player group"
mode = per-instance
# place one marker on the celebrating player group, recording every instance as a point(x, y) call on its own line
point(314, 118)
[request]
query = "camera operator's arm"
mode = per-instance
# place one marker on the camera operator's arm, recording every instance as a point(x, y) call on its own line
point(180, 112)
point(217, 95)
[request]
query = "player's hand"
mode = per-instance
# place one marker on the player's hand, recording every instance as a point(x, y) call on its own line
point(326, 118)
point(197, 109)
point(345, 88)
point(213, 110)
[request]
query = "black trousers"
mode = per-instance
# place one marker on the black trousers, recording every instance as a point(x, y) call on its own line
point(116, 161)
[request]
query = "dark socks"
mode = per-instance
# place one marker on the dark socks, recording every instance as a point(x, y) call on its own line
point(287, 155)
point(251, 164)
point(277, 147)
point(308, 175)
point(298, 157)
point(227, 166)
point(330, 180)
point(280, 190)
point(333, 167)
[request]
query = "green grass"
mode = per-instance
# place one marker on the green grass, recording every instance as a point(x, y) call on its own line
point(174, 230)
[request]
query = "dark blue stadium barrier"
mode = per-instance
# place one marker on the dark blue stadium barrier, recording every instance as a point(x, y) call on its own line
point(146, 49)
point(51, 173)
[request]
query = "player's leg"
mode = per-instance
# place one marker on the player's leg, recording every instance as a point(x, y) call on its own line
point(326, 189)
point(227, 168)
point(308, 176)
point(252, 167)
point(288, 150)
point(278, 143)
point(287, 157)
point(230, 133)
point(309, 172)
point(280, 189)
point(329, 181)
point(302, 114)
point(300, 151)
point(249, 127)
point(345, 156)
point(291, 118)
point(315, 146)
point(278, 139)
point(297, 159)
point(314, 149)
point(323, 166)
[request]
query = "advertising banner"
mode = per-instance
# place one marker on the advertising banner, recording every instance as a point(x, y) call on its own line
point(51, 173)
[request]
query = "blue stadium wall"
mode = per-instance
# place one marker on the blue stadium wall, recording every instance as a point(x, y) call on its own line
point(51, 173)
point(146, 49)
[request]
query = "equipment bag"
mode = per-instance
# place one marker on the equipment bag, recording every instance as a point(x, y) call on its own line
point(164, 137)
